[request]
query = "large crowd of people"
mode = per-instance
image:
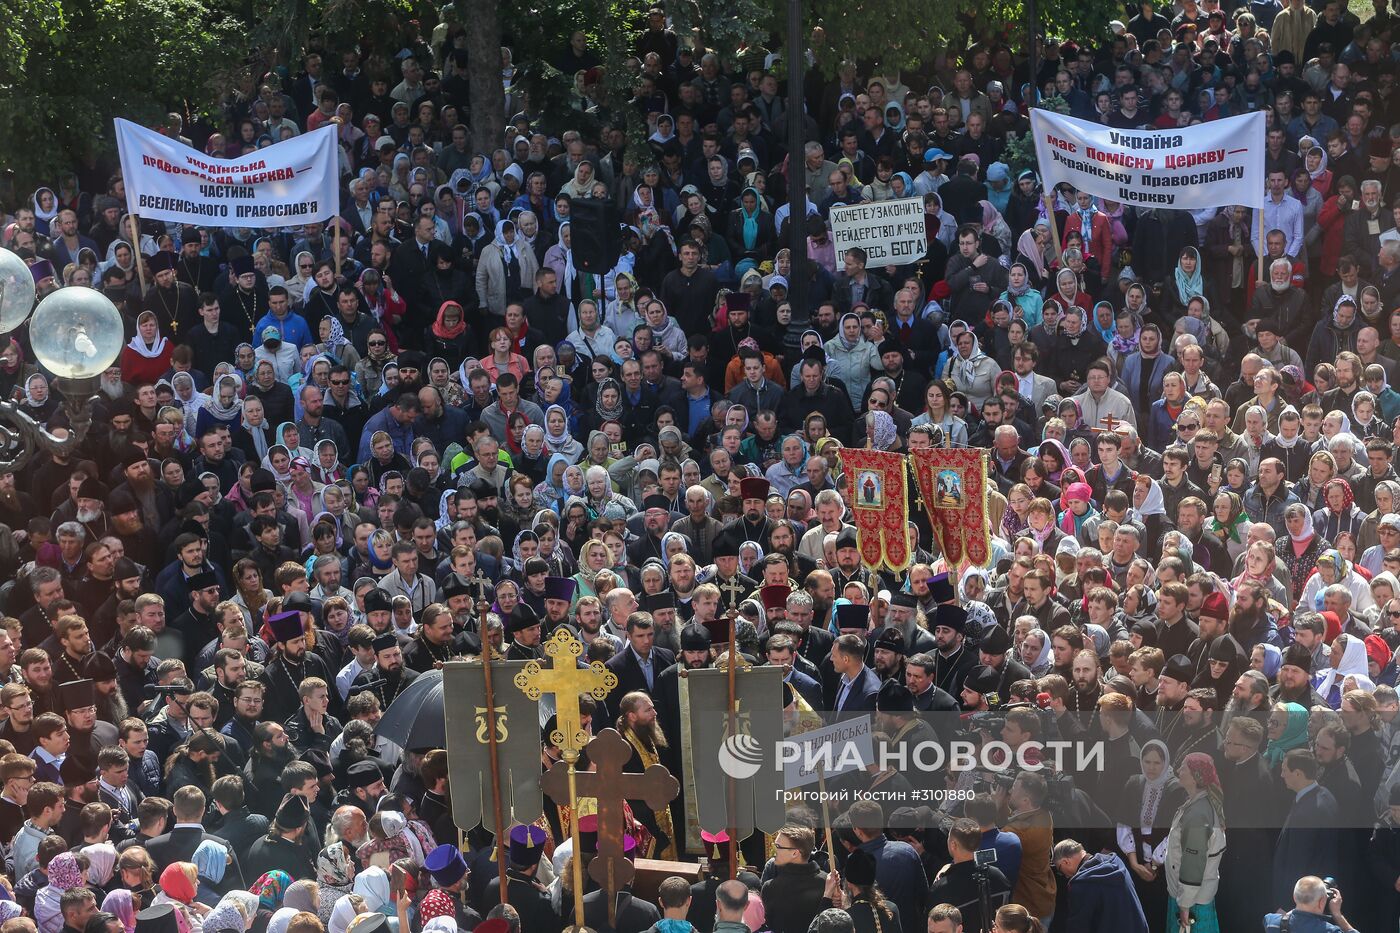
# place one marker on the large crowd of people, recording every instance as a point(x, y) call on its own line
point(333, 457)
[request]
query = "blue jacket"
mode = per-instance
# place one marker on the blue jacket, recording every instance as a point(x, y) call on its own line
point(293, 328)
point(1301, 922)
point(1102, 897)
point(1131, 374)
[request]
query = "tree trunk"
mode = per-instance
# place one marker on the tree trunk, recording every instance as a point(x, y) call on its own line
point(488, 118)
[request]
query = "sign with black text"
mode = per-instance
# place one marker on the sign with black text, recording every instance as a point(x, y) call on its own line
point(890, 232)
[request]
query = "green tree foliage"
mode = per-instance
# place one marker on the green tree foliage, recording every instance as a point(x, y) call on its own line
point(69, 69)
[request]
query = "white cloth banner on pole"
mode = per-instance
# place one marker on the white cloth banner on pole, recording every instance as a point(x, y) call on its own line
point(890, 232)
point(285, 185)
point(1214, 164)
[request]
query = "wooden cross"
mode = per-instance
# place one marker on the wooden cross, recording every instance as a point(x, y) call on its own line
point(566, 681)
point(1110, 423)
point(610, 785)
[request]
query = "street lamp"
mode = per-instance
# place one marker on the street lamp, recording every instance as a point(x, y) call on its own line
point(76, 334)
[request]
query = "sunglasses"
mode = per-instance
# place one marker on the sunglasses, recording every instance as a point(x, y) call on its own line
point(378, 343)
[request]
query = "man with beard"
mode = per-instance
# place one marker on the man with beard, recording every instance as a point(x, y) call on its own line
point(1173, 685)
point(889, 655)
point(96, 586)
point(903, 618)
point(89, 501)
point(230, 670)
point(69, 648)
point(994, 651)
point(682, 590)
point(195, 764)
point(87, 734)
point(733, 585)
point(387, 679)
point(139, 541)
point(290, 664)
point(637, 722)
point(46, 586)
point(1250, 623)
point(1198, 729)
point(364, 787)
point(588, 623)
point(952, 658)
point(16, 508)
point(111, 705)
point(1295, 679)
point(1085, 686)
point(197, 624)
point(783, 541)
point(271, 752)
point(434, 643)
point(157, 504)
point(1249, 699)
point(190, 560)
point(244, 301)
point(282, 848)
point(694, 655)
point(1049, 615)
point(174, 303)
point(753, 524)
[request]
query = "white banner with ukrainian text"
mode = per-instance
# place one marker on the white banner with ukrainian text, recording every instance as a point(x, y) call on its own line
point(284, 185)
point(1214, 164)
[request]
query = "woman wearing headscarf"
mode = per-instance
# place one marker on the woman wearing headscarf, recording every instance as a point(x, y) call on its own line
point(146, 357)
point(1195, 845)
point(1022, 294)
point(506, 270)
point(179, 887)
point(122, 905)
point(190, 398)
point(38, 402)
point(372, 884)
point(750, 232)
point(1148, 802)
point(211, 860)
point(971, 370)
point(851, 358)
point(64, 875)
point(447, 336)
point(1299, 547)
point(880, 432)
point(1334, 333)
point(1288, 729)
point(1037, 652)
point(1339, 512)
point(1075, 348)
point(1035, 251)
point(1187, 282)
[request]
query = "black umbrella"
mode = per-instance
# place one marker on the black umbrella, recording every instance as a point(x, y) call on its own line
point(415, 718)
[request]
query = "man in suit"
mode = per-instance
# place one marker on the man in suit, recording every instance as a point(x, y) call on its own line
point(1308, 844)
point(855, 686)
point(1033, 386)
point(639, 664)
point(179, 843)
point(410, 269)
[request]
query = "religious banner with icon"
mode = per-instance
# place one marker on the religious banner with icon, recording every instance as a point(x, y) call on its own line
point(879, 498)
point(517, 746)
point(953, 484)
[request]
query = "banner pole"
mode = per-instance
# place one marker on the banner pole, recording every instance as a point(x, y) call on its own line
point(1261, 243)
point(1054, 228)
point(136, 251)
point(337, 246)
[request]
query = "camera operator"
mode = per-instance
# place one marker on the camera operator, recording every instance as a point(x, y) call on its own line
point(967, 885)
point(1317, 908)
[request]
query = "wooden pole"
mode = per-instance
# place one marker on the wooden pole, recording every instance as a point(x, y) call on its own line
point(733, 667)
point(1050, 217)
point(497, 809)
point(337, 274)
point(1261, 245)
point(136, 252)
point(826, 819)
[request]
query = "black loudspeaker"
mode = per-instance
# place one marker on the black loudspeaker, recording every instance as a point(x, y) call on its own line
point(593, 224)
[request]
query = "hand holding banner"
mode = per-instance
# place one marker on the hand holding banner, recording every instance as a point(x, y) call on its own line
point(291, 183)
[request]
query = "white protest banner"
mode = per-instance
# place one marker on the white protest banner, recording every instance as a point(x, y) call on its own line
point(285, 185)
point(890, 232)
point(1211, 165)
point(834, 749)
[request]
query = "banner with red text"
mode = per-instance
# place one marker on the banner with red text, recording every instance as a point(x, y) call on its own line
point(285, 185)
point(1213, 164)
point(953, 483)
point(879, 499)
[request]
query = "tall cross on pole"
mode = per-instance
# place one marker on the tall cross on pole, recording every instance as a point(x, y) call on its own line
point(567, 681)
point(610, 785)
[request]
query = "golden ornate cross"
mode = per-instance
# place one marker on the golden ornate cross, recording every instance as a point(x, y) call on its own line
point(567, 681)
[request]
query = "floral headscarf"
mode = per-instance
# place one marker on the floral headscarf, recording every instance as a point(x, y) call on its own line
point(1347, 497)
point(883, 430)
point(64, 872)
point(270, 888)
